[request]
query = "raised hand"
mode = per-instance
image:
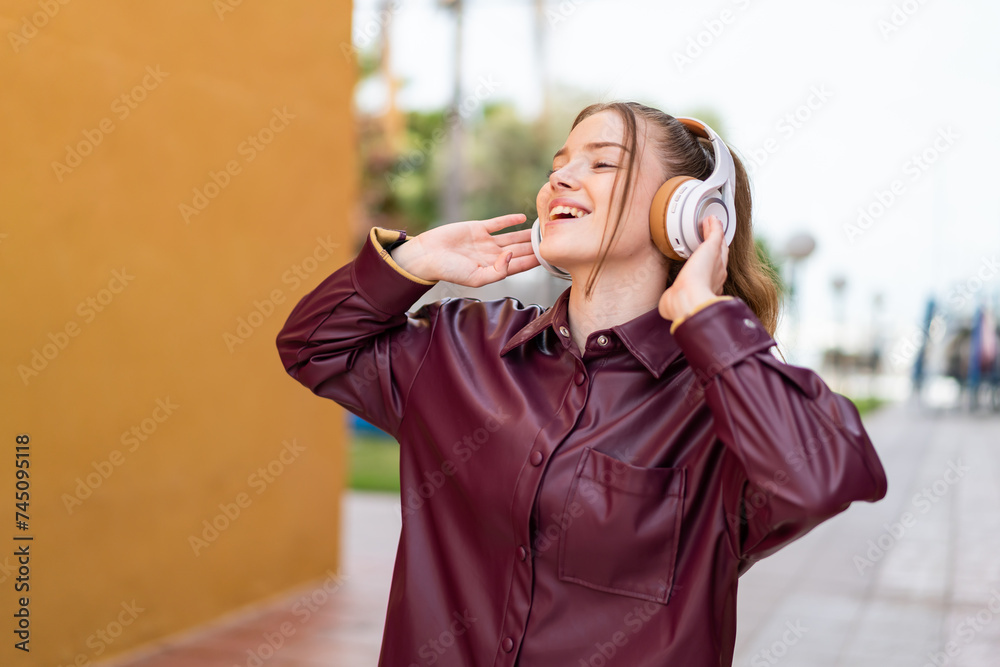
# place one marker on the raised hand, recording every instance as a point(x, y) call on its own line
point(467, 253)
point(703, 275)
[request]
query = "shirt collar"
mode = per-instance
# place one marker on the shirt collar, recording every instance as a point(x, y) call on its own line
point(647, 336)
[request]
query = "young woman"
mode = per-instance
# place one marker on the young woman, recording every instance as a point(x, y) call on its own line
point(583, 484)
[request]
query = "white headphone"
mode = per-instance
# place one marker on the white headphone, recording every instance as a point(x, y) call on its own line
point(680, 204)
point(536, 239)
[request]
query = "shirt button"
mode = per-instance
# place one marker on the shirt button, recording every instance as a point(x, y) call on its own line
point(536, 458)
point(522, 553)
point(564, 331)
point(508, 644)
point(580, 378)
point(602, 340)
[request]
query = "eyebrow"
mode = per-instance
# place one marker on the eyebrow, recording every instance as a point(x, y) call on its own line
point(593, 146)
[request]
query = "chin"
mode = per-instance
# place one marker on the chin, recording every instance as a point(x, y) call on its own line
point(566, 253)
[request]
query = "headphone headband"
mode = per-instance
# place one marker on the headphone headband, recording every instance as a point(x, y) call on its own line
point(683, 201)
point(697, 127)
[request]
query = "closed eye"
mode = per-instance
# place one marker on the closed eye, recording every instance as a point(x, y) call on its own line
point(597, 165)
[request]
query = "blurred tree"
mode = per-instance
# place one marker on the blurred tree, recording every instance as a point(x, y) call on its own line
point(507, 165)
point(507, 160)
point(767, 256)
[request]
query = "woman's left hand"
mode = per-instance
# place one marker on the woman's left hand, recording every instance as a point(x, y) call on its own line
point(702, 277)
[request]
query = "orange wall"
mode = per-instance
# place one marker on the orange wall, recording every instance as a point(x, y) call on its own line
point(145, 386)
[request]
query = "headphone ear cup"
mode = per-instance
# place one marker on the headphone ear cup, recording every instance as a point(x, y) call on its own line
point(536, 241)
point(664, 224)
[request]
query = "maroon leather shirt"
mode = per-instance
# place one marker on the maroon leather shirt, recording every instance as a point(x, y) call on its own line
point(567, 510)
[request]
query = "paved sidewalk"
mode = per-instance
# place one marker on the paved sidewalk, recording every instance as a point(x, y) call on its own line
point(898, 582)
point(911, 581)
point(345, 630)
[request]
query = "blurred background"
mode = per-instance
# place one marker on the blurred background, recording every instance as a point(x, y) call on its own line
point(864, 126)
point(174, 178)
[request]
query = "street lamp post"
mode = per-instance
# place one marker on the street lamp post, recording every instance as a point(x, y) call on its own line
point(797, 249)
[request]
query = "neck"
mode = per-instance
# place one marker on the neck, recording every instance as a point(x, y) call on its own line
point(619, 295)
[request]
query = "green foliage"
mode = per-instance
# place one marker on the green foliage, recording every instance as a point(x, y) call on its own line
point(767, 257)
point(398, 190)
point(507, 162)
point(374, 463)
point(867, 404)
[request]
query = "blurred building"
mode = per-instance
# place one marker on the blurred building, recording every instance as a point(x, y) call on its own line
point(175, 176)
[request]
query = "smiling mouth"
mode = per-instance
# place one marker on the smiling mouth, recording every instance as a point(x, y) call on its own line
point(566, 213)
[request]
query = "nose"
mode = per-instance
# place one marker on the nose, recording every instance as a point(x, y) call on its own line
point(564, 177)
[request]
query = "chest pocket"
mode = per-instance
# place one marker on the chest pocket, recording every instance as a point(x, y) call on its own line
point(624, 529)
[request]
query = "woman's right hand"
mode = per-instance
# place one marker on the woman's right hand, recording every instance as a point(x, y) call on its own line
point(466, 253)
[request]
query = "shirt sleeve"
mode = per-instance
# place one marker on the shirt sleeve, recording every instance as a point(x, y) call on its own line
point(351, 339)
point(802, 448)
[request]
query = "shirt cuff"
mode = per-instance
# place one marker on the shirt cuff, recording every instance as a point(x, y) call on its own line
point(721, 334)
point(380, 280)
point(700, 306)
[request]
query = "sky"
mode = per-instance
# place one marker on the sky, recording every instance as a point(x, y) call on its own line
point(870, 125)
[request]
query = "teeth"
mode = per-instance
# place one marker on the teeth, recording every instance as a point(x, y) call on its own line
point(567, 210)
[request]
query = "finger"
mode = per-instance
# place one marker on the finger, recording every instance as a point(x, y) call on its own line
point(663, 306)
point(502, 261)
point(520, 249)
point(714, 229)
point(519, 264)
point(504, 221)
point(508, 238)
